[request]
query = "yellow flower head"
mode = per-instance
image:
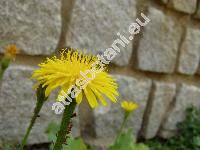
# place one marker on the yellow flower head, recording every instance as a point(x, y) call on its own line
point(129, 106)
point(63, 72)
point(11, 51)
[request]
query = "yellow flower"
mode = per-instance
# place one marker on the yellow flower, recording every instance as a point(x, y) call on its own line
point(63, 72)
point(11, 51)
point(129, 106)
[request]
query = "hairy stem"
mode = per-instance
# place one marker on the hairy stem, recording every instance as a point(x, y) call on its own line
point(62, 133)
point(40, 101)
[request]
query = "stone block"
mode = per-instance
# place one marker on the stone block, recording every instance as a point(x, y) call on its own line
point(163, 95)
point(34, 25)
point(95, 24)
point(158, 47)
point(190, 52)
point(186, 6)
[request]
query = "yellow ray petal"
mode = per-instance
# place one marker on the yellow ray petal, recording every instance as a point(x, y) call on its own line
point(90, 97)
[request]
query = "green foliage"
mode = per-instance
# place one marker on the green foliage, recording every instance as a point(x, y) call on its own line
point(52, 130)
point(126, 141)
point(8, 147)
point(72, 144)
point(75, 144)
point(5, 62)
point(156, 144)
point(188, 137)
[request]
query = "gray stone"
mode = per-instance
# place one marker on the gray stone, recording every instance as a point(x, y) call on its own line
point(108, 119)
point(95, 24)
point(188, 95)
point(186, 6)
point(32, 25)
point(166, 134)
point(99, 144)
point(158, 48)
point(17, 101)
point(163, 96)
point(190, 52)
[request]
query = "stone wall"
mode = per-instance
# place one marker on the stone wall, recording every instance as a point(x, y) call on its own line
point(159, 69)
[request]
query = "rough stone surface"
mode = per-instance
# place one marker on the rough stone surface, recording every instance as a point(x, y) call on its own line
point(187, 95)
point(187, 6)
point(108, 119)
point(163, 96)
point(17, 101)
point(166, 134)
point(190, 52)
point(33, 25)
point(158, 48)
point(94, 26)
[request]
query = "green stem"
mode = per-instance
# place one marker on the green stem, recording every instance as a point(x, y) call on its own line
point(1, 74)
point(1, 77)
point(122, 125)
point(62, 133)
point(40, 101)
point(5, 62)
